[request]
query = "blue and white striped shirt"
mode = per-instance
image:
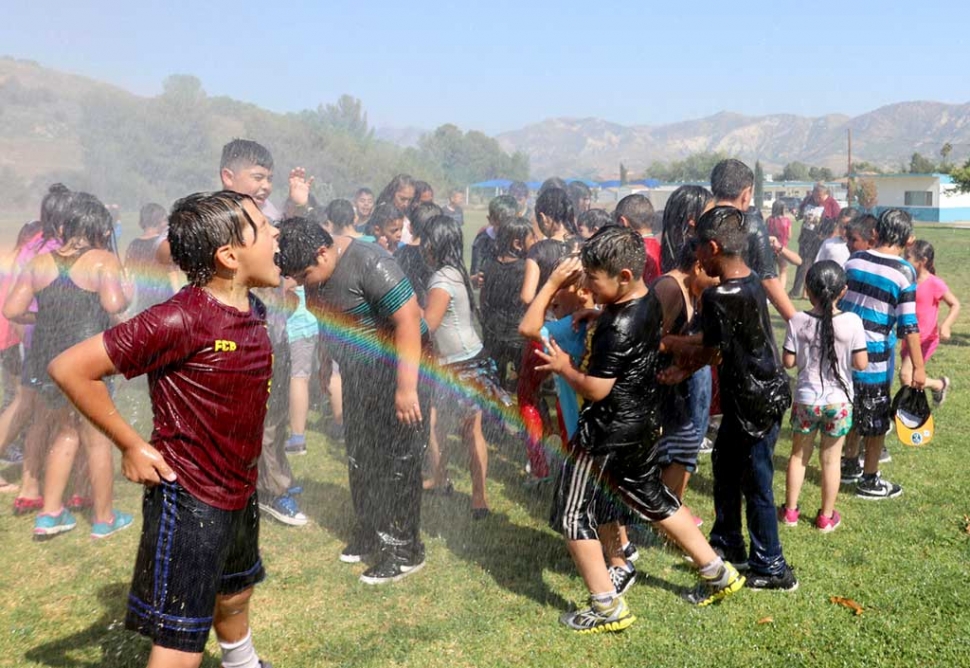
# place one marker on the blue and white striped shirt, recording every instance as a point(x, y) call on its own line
point(882, 291)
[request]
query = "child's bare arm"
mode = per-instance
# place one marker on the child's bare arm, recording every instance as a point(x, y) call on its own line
point(778, 297)
point(78, 372)
point(15, 307)
point(916, 354)
point(407, 343)
point(788, 359)
point(557, 361)
point(954, 304)
point(530, 283)
point(535, 316)
point(860, 360)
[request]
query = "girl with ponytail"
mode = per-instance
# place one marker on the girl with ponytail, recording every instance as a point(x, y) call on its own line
point(824, 343)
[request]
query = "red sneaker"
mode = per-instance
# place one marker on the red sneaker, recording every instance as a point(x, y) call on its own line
point(23, 505)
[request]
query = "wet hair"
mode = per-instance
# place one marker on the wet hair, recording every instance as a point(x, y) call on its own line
point(777, 209)
point(923, 251)
point(685, 204)
point(551, 182)
point(847, 214)
point(445, 245)
point(555, 204)
point(299, 241)
point(242, 153)
point(518, 189)
point(54, 210)
point(638, 211)
point(516, 229)
point(201, 224)
point(152, 215)
point(502, 209)
point(729, 178)
point(397, 183)
point(894, 228)
point(578, 190)
point(421, 215)
point(614, 249)
point(825, 281)
point(363, 191)
point(26, 233)
point(384, 213)
point(725, 226)
point(89, 220)
point(864, 225)
point(340, 213)
point(594, 219)
point(688, 256)
point(421, 187)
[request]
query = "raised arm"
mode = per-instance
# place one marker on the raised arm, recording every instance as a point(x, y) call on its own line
point(566, 273)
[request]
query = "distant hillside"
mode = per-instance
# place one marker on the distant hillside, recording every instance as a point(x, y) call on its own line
point(887, 136)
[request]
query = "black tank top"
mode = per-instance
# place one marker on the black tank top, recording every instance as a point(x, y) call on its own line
point(66, 315)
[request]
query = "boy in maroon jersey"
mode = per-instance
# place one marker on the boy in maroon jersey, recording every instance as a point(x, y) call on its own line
point(209, 361)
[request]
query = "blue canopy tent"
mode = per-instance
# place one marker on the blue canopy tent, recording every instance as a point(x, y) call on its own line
point(610, 184)
point(493, 183)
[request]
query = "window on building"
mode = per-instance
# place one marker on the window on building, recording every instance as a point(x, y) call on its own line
point(918, 198)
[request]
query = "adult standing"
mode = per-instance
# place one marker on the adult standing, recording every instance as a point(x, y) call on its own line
point(809, 239)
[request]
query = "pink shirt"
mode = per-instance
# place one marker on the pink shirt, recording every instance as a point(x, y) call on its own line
point(780, 228)
point(929, 293)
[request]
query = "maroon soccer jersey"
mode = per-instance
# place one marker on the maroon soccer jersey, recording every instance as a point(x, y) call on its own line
point(209, 367)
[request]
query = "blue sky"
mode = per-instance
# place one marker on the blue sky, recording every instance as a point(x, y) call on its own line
point(499, 65)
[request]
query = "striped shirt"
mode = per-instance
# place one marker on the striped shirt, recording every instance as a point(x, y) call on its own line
point(882, 291)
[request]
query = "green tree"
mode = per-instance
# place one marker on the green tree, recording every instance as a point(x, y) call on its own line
point(795, 171)
point(921, 165)
point(866, 193)
point(624, 175)
point(759, 185)
point(945, 152)
point(961, 177)
point(820, 174)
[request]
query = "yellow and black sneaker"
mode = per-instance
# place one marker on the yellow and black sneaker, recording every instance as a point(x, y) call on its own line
point(708, 591)
point(600, 617)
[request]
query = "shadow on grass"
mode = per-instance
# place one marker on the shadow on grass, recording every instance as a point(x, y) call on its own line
point(514, 556)
point(119, 648)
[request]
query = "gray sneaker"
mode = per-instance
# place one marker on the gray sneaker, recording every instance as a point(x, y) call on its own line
point(600, 617)
point(940, 397)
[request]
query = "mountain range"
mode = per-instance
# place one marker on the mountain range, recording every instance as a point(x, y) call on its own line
point(40, 110)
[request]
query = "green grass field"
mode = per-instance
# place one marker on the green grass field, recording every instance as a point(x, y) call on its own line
point(492, 591)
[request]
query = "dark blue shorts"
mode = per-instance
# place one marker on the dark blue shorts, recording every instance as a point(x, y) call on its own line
point(189, 553)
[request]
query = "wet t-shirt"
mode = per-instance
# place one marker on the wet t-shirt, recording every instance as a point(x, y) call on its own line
point(624, 345)
point(355, 306)
point(502, 310)
point(209, 367)
point(759, 255)
point(754, 387)
point(546, 254)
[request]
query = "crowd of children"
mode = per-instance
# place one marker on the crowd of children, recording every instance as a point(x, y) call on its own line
point(627, 313)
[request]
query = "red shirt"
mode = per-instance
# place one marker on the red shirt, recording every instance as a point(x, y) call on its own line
point(209, 367)
point(651, 269)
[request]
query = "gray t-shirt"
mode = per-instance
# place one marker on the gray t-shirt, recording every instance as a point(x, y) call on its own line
point(455, 339)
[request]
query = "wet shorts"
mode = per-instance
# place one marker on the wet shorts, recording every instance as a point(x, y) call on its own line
point(679, 445)
point(834, 420)
point(598, 489)
point(189, 552)
point(871, 409)
point(301, 357)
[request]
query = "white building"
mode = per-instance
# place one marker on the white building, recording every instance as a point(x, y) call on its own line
point(930, 198)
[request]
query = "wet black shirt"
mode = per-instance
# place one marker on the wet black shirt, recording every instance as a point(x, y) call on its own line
point(754, 387)
point(624, 345)
point(412, 263)
point(502, 310)
point(759, 256)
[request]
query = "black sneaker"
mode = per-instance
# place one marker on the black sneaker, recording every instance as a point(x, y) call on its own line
point(630, 552)
point(623, 578)
point(874, 487)
point(735, 557)
point(851, 470)
point(785, 581)
point(390, 570)
point(357, 549)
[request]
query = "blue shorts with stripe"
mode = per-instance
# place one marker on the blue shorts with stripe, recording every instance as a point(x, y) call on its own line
point(189, 553)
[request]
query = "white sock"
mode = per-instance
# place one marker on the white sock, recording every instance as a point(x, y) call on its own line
point(240, 654)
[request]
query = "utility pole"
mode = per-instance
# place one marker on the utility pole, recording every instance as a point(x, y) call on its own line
point(849, 171)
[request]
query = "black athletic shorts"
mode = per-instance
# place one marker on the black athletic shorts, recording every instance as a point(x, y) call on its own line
point(189, 553)
point(871, 409)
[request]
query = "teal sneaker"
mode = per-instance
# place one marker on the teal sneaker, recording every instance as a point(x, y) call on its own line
point(120, 522)
point(47, 525)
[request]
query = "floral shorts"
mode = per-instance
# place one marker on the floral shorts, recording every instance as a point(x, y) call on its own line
point(834, 420)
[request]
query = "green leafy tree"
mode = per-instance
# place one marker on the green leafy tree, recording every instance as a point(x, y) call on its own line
point(866, 193)
point(919, 164)
point(945, 152)
point(961, 177)
point(795, 171)
point(820, 174)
